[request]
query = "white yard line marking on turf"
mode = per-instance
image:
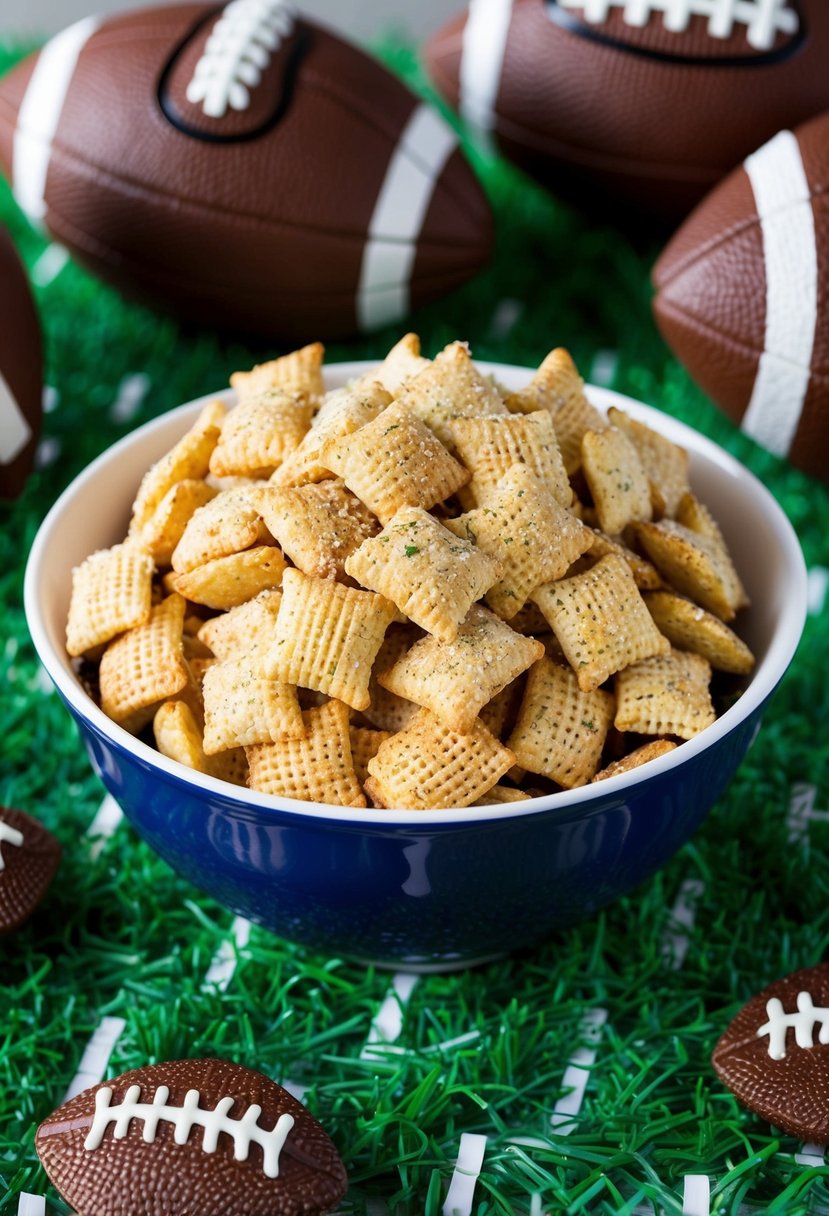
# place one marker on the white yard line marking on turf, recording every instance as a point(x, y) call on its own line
point(295, 1088)
point(696, 1195)
point(96, 1056)
point(677, 937)
point(801, 811)
point(47, 452)
point(603, 367)
point(577, 1073)
point(131, 392)
point(104, 825)
point(220, 972)
point(51, 398)
point(49, 265)
point(505, 317)
point(813, 1155)
point(30, 1205)
point(388, 1021)
point(461, 1191)
point(484, 42)
point(817, 584)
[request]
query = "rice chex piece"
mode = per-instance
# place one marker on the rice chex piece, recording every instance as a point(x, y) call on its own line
point(664, 462)
point(617, 479)
point(189, 459)
point(259, 432)
point(317, 767)
point(489, 447)
point(693, 564)
point(695, 515)
point(227, 524)
point(525, 528)
point(433, 576)
point(343, 414)
point(228, 581)
point(244, 706)
point(111, 592)
point(395, 461)
point(665, 695)
point(317, 525)
point(646, 575)
point(555, 384)
point(402, 363)
point(365, 743)
point(427, 766)
point(450, 387)
point(456, 679)
point(144, 666)
point(300, 371)
point(635, 759)
point(178, 735)
point(561, 728)
point(387, 711)
point(327, 637)
point(165, 527)
point(247, 628)
point(600, 620)
point(689, 627)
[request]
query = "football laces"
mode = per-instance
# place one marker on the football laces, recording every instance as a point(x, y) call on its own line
point(762, 20)
point(237, 53)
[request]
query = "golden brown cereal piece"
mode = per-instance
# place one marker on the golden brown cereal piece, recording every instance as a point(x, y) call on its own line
point(300, 371)
point(427, 766)
point(388, 711)
point(165, 527)
point(695, 515)
point(364, 745)
point(259, 433)
point(432, 576)
point(228, 581)
point(528, 532)
point(402, 363)
point(316, 768)
point(450, 387)
point(178, 735)
point(648, 751)
point(601, 621)
point(189, 459)
point(665, 695)
point(489, 447)
point(561, 728)
point(689, 627)
point(456, 679)
point(243, 706)
point(394, 461)
point(664, 462)
point(144, 666)
point(227, 524)
point(499, 795)
point(341, 414)
point(328, 636)
point(646, 575)
point(617, 479)
point(558, 388)
point(317, 525)
point(111, 592)
point(249, 628)
point(693, 564)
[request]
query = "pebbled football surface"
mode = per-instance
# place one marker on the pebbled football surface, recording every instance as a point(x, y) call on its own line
point(29, 857)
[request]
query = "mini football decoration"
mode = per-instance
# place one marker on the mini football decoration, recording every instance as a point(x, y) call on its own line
point(774, 1057)
point(29, 857)
point(646, 101)
point(190, 1136)
point(21, 374)
point(243, 167)
point(742, 295)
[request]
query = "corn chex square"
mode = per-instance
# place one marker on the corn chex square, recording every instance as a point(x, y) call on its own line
point(243, 706)
point(248, 628)
point(433, 576)
point(111, 592)
point(300, 371)
point(693, 564)
point(317, 525)
point(600, 620)
point(259, 432)
point(561, 728)
point(144, 666)
point(328, 636)
point(635, 759)
point(617, 479)
point(524, 527)
point(427, 766)
point(558, 387)
point(667, 694)
point(402, 363)
point(395, 461)
point(342, 414)
point(315, 768)
point(664, 462)
point(178, 735)
point(646, 575)
point(456, 679)
point(227, 524)
point(489, 447)
point(689, 627)
point(228, 581)
point(450, 387)
point(365, 743)
point(189, 459)
point(693, 514)
point(165, 527)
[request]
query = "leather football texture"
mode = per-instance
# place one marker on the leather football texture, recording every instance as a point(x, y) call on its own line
point(21, 374)
point(29, 858)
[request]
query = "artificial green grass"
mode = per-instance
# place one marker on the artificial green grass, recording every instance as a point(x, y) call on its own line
point(480, 1051)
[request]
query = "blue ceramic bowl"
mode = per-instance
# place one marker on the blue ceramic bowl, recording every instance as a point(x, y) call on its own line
point(421, 890)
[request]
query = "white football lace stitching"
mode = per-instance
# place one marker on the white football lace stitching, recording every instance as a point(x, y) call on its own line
point(244, 1131)
point(763, 19)
point(237, 52)
point(8, 835)
point(803, 1022)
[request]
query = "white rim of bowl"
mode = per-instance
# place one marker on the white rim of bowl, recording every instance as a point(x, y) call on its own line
point(766, 677)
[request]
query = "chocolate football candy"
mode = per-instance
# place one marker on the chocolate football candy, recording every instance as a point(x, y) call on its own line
point(21, 374)
point(190, 1136)
point(774, 1056)
point(742, 295)
point(640, 101)
point(29, 857)
point(243, 167)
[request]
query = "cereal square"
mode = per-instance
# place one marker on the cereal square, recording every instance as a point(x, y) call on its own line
point(450, 387)
point(489, 447)
point(667, 694)
point(111, 592)
point(317, 767)
point(259, 432)
point(144, 666)
point(243, 706)
point(317, 525)
point(300, 371)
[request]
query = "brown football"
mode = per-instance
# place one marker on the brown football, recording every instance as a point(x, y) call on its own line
point(642, 102)
point(774, 1056)
point(21, 372)
point(190, 1136)
point(29, 857)
point(243, 167)
point(742, 295)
